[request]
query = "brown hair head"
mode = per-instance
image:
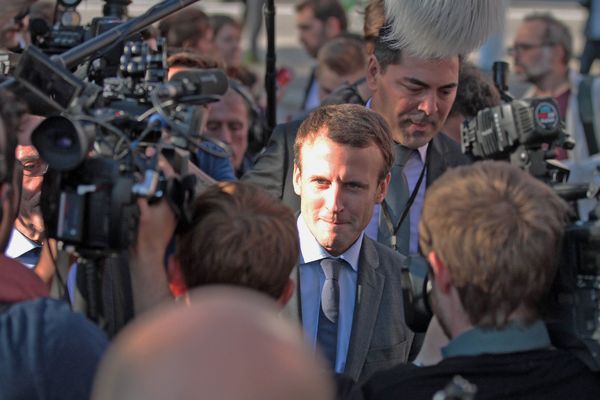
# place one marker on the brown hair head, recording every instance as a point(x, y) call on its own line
point(347, 124)
point(498, 230)
point(374, 20)
point(186, 59)
point(241, 236)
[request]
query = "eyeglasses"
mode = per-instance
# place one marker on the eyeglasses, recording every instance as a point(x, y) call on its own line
point(520, 47)
point(35, 167)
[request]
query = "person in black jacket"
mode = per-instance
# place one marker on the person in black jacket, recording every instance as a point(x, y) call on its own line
point(492, 235)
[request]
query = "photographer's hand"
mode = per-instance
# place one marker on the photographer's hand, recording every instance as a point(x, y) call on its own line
point(156, 226)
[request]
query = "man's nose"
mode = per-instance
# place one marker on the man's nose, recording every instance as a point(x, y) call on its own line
point(333, 200)
point(226, 135)
point(428, 104)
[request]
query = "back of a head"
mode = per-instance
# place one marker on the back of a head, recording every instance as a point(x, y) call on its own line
point(498, 230)
point(474, 93)
point(241, 236)
point(229, 344)
point(374, 20)
point(344, 55)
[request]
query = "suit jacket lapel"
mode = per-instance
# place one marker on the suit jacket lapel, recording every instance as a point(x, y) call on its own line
point(368, 298)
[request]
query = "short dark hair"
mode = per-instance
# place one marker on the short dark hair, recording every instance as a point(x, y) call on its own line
point(475, 92)
point(241, 236)
point(186, 59)
point(373, 21)
point(343, 55)
point(347, 124)
point(325, 9)
point(384, 54)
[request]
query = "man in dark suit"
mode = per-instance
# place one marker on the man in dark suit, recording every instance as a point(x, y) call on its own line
point(414, 95)
point(348, 298)
point(317, 21)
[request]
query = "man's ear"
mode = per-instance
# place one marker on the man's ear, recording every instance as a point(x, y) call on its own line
point(440, 272)
point(297, 180)
point(177, 283)
point(287, 293)
point(373, 71)
point(383, 187)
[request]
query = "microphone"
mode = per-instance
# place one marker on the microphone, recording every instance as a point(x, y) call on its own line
point(442, 28)
point(195, 86)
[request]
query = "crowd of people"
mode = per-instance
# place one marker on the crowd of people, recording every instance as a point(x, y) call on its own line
point(289, 279)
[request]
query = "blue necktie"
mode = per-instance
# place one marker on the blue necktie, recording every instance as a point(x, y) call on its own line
point(329, 310)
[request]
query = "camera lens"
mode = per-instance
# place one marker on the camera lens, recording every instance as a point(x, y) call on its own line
point(63, 142)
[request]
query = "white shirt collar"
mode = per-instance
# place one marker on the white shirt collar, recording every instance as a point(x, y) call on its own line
point(311, 250)
point(18, 244)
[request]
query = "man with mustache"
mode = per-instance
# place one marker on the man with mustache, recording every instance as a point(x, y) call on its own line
point(348, 297)
point(542, 50)
point(414, 94)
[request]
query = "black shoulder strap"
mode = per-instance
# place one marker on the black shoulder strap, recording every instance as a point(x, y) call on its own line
point(586, 113)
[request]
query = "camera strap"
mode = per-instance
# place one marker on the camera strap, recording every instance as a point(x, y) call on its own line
point(386, 210)
point(586, 113)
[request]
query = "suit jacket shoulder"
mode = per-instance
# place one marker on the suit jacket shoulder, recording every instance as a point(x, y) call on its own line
point(274, 167)
point(445, 154)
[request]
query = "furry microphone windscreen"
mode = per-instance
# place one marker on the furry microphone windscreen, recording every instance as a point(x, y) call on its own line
point(442, 28)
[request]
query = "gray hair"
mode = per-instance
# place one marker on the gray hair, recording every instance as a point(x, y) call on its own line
point(556, 32)
point(442, 28)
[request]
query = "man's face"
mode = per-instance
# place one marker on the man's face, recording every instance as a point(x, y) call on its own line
point(204, 45)
point(227, 42)
point(311, 31)
point(29, 221)
point(9, 29)
point(338, 186)
point(229, 121)
point(414, 96)
point(532, 56)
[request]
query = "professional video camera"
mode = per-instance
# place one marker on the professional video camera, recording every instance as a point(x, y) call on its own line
point(89, 201)
point(67, 31)
point(102, 143)
point(526, 133)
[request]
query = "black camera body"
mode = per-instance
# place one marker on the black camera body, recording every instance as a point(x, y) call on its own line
point(96, 145)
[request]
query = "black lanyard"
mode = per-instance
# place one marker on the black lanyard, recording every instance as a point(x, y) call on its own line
point(411, 200)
